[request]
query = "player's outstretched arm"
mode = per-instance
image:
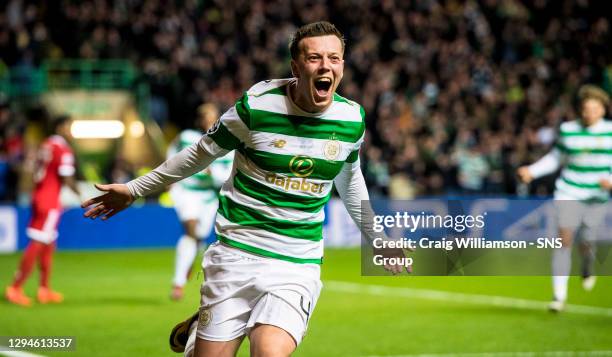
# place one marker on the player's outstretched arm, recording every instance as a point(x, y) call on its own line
point(116, 198)
point(119, 196)
point(548, 164)
point(353, 191)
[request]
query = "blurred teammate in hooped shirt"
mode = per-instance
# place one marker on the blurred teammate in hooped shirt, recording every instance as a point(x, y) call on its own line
point(54, 167)
point(195, 198)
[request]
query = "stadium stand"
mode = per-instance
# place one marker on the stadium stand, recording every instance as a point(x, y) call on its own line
point(457, 93)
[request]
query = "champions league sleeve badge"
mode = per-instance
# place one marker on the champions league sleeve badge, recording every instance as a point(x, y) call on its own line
point(213, 129)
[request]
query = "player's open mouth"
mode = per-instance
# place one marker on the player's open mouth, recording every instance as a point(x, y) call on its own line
point(322, 86)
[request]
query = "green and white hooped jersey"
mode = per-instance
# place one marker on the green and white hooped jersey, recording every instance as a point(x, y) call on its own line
point(587, 153)
point(285, 162)
point(205, 182)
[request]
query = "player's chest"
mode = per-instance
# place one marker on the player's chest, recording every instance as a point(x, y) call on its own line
point(588, 143)
point(323, 147)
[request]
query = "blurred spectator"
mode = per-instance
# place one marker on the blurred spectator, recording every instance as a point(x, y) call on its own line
point(376, 172)
point(121, 172)
point(473, 169)
point(11, 151)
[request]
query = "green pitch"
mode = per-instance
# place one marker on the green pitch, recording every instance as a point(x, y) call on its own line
point(117, 305)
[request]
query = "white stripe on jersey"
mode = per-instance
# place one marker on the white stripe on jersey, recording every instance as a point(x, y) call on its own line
point(254, 172)
point(269, 241)
point(339, 111)
point(581, 142)
point(589, 159)
point(585, 177)
point(314, 148)
point(289, 214)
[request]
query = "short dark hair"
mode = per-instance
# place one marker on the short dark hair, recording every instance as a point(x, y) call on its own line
point(57, 122)
point(321, 28)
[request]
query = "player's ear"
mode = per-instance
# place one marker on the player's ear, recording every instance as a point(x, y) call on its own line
point(294, 69)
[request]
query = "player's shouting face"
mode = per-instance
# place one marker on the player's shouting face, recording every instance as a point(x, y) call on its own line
point(319, 68)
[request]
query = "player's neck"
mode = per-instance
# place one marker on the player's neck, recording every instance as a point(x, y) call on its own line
point(592, 124)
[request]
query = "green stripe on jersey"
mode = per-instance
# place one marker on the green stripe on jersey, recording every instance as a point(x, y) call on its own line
point(224, 138)
point(592, 186)
point(184, 143)
point(276, 198)
point(341, 99)
point(266, 253)
point(243, 110)
point(580, 168)
point(584, 133)
point(582, 151)
point(306, 127)
point(320, 169)
point(198, 188)
point(353, 156)
point(246, 216)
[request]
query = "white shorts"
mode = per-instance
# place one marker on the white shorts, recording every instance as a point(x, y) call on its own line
point(43, 224)
point(243, 289)
point(577, 214)
point(199, 205)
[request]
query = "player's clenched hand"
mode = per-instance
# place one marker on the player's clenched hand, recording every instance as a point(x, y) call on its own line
point(524, 174)
point(116, 199)
point(605, 184)
point(393, 253)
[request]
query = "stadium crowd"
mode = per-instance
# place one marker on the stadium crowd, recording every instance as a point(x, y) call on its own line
point(458, 94)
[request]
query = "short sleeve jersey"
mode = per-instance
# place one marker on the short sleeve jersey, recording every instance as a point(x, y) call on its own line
point(55, 160)
point(587, 156)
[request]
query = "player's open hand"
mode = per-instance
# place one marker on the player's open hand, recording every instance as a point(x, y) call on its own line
point(524, 175)
point(116, 199)
point(399, 258)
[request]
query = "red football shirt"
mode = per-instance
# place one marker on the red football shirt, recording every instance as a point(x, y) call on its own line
point(55, 160)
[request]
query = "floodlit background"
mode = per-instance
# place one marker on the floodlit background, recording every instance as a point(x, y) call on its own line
point(457, 95)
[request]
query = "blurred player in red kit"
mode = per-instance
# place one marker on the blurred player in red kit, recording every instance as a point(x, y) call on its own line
point(54, 167)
